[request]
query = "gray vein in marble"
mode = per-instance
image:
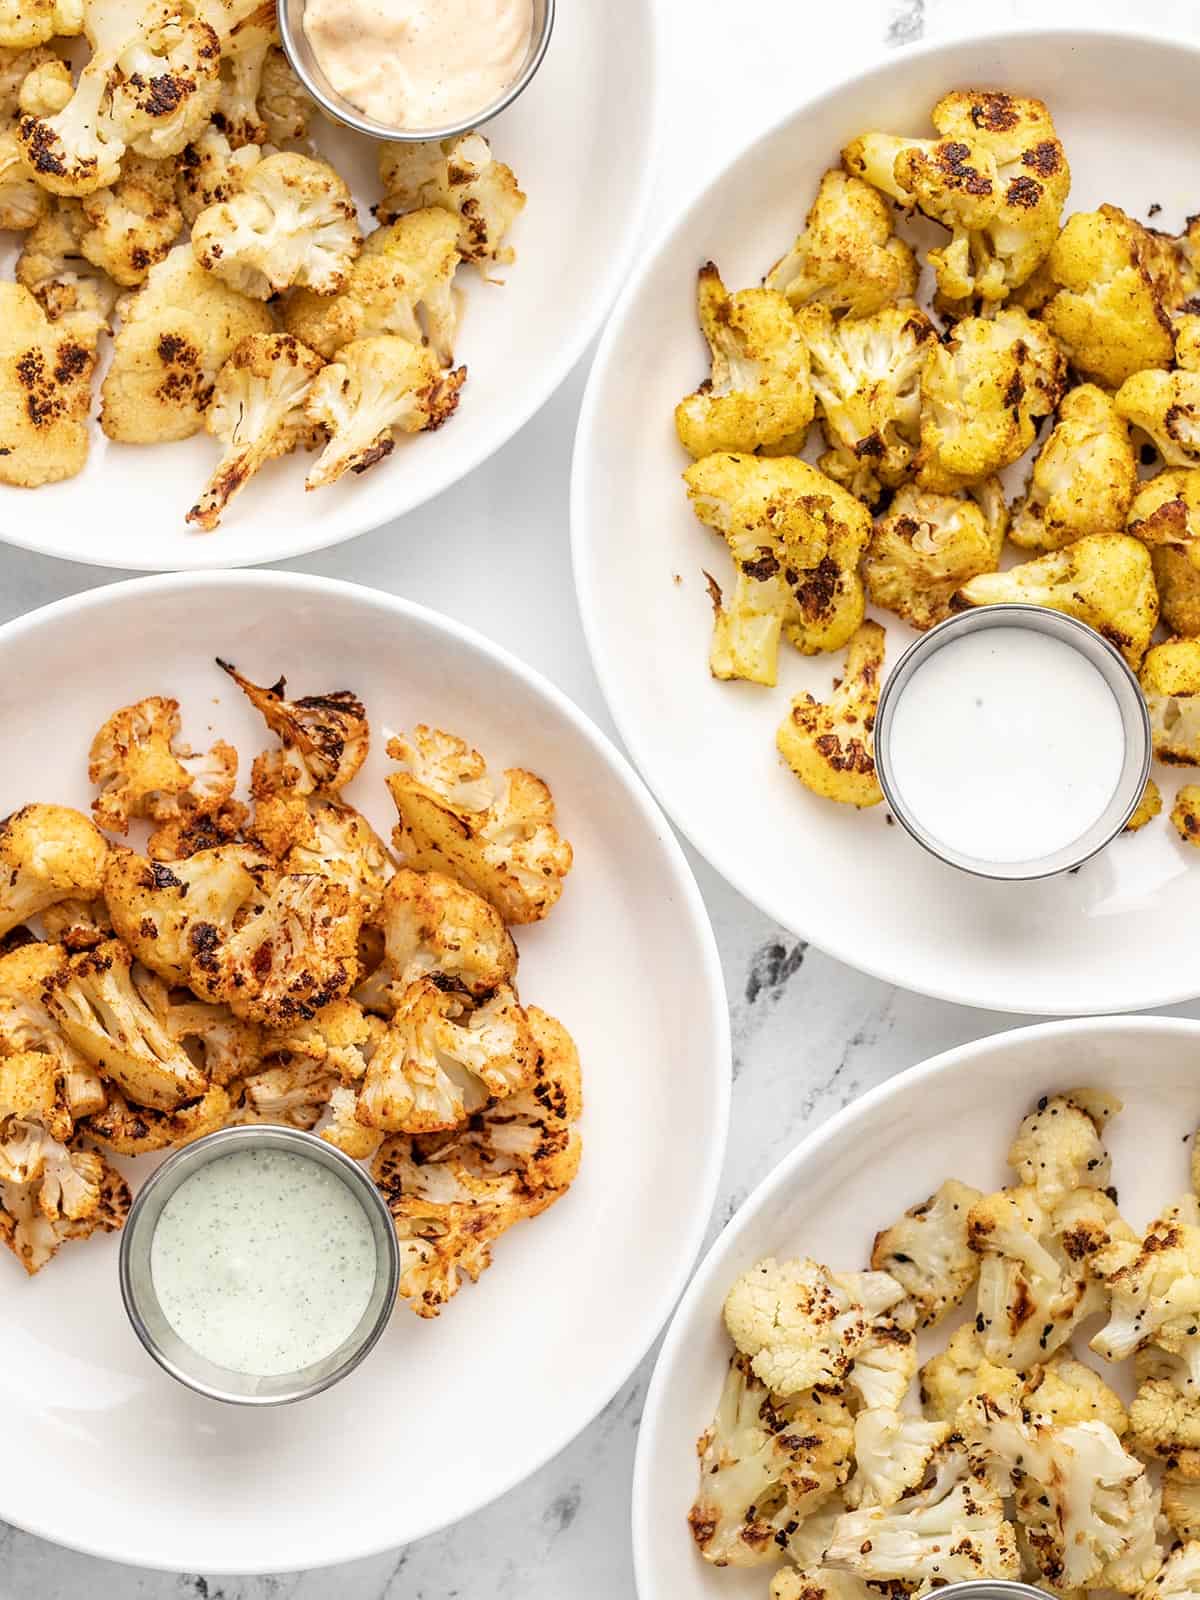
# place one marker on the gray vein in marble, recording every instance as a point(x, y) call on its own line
point(907, 22)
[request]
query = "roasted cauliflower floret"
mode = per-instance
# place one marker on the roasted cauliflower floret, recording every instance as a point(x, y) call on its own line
point(26, 1026)
point(34, 1237)
point(173, 915)
point(248, 31)
point(1165, 405)
point(759, 396)
point(927, 1252)
point(72, 291)
point(1148, 807)
point(133, 224)
point(951, 1377)
point(375, 388)
point(1170, 680)
point(141, 771)
point(128, 1129)
point(797, 1325)
point(460, 175)
point(293, 221)
point(847, 258)
point(210, 171)
point(341, 845)
point(892, 1453)
point(1164, 1419)
point(1155, 1292)
point(1084, 477)
point(1177, 580)
point(438, 928)
point(1185, 813)
point(47, 854)
point(1104, 580)
point(283, 102)
point(1058, 1147)
point(1066, 1391)
point(1165, 513)
point(829, 745)
point(45, 393)
point(324, 737)
point(257, 413)
point(27, 23)
point(1181, 1505)
point(23, 202)
point(927, 545)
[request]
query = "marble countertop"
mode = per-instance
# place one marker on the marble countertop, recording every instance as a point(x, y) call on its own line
point(809, 1034)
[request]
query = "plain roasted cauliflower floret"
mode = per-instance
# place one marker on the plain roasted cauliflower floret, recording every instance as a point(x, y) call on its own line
point(141, 770)
point(72, 291)
point(133, 224)
point(1166, 406)
point(210, 171)
point(324, 737)
point(799, 1327)
point(283, 102)
point(461, 175)
point(1084, 477)
point(1154, 1286)
point(438, 928)
point(951, 1377)
point(1170, 680)
point(1058, 1146)
point(926, 545)
point(848, 257)
point(1104, 580)
point(829, 745)
point(926, 1251)
point(47, 854)
point(45, 393)
point(758, 397)
point(249, 30)
point(1181, 1505)
point(892, 1453)
point(1065, 1391)
point(23, 202)
point(27, 23)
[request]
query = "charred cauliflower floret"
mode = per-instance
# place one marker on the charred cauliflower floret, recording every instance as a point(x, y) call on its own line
point(495, 835)
point(34, 1238)
point(460, 175)
point(173, 915)
point(375, 388)
point(129, 1129)
point(257, 413)
point(1185, 813)
point(211, 171)
point(1166, 406)
point(401, 284)
point(927, 545)
point(132, 225)
point(338, 843)
point(829, 745)
point(324, 738)
point(927, 1252)
point(438, 928)
point(292, 222)
point(47, 854)
point(1170, 680)
point(983, 392)
point(141, 771)
point(23, 202)
point(796, 1324)
point(1165, 512)
point(758, 396)
point(45, 393)
point(1154, 1286)
point(1084, 477)
point(72, 291)
point(1058, 1147)
point(1104, 580)
point(848, 257)
point(176, 334)
point(248, 31)
point(1106, 311)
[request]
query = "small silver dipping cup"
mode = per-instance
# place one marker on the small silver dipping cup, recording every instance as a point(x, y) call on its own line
point(1135, 721)
point(308, 69)
point(992, 1589)
point(161, 1340)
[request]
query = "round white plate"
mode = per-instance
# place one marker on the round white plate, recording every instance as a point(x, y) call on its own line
point(120, 1461)
point(1127, 112)
point(952, 1116)
point(581, 140)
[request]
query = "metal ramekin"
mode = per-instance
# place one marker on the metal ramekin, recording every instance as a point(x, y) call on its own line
point(307, 68)
point(1135, 720)
point(161, 1340)
point(991, 1589)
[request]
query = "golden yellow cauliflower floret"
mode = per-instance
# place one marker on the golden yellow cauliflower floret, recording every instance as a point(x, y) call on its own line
point(1148, 807)
point(847, 258)
point(1185, 814)
point(927, 545)
point(1170, 680)
point(951, 1377)
point(23, 202)
point(758, 396)
point(1166, 511)
point(72, 290)
point(1178, 582)
point(25, 23)
point(1084, 476)
point(829, 746)
point(1165, 405)
point(45, 393)
point(1065, 1391)
point(133, 224)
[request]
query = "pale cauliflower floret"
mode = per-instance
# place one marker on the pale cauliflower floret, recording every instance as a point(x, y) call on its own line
point(758, 396)
point(47, 854)
point(132, 225)
point(848, 257)
point(1058, 1146)
point(829, 745)
point(283, 102)
point(72, 290)
point(45, 393)
point(1181, 1505)
point(293, 221)
point(1170, 680)
point(461, 175)
point(169, 916)
point(797, 1324)
point(210, 171)
point(437, 927)
point(43, 90)
point(176, 333)
point(765, 1463)
point(866, 375)
point(892, 1454)
point(324, 737)
point(1179, 1577)
point(925, 546)
point(951, 1377)
point(141, 770)
point(1065, 1391)
point(496, 836)
point(373, 389)
point(1104, 580)
point(983, 392)
point(1166, 406)
point(1084, 477)
point(401, 284)
point(1165, 513)
point(23, 202)
point(26, 23)
point(257, 412)
point(926, 1251)
point(885, 1366)
point(249, 31)
point(1155, 1292)
point(1106, 311)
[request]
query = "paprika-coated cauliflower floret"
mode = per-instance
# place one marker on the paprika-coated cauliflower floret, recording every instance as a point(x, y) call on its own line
point(374, 388)
point(1170, 680)
point(324, 737)
point(758, 396)
point(34, 1118)
point(293, 221)
point(257, 413)
point(866, 375)
point(1084, 477)
point(460, 175)
point(829, 745)
point(171, 916)
point(27, 23)
point(401, 284)
point(45, 393)
point(495, 835)
point(340, 844)
point(1058, 1146)
point(47, 854)
point(983, 391)
point(26, 1025)
point(1165, 513)
point(766, 1462)
point(339, 1126)
point(34, 1238)
point(141, 771)
point(892, 1453)
point(926, 545)
point(1106, 311)
point(847, 258)
point(72, 291)
point(129, 1129)
point(1104, 580)
point(341, 1038)
point(226, 1046)
point(438, 928)
point(176, 334)
point(799, 1327)
point(133, 224)
point(926, 1251)
point(1166, 406)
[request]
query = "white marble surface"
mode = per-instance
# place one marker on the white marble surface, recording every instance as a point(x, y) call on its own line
point(809, 1034)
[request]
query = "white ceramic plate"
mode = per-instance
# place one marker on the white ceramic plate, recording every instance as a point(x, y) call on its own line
point(581, 140)
point(1128, 115)
point(951, 1116)
point(120, 1461)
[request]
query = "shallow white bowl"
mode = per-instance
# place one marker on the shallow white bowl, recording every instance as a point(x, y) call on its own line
point(116, 1458)
point(951, 1116)
point(581, 140)
point(1128, 115)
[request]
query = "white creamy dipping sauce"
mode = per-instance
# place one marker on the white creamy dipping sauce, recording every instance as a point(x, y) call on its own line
point(263, 1262)
point(416, 64)
point(1006, 745)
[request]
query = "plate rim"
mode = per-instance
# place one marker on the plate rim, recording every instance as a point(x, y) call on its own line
point(692, 909)
point(808, 1149)
point(585, 534)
